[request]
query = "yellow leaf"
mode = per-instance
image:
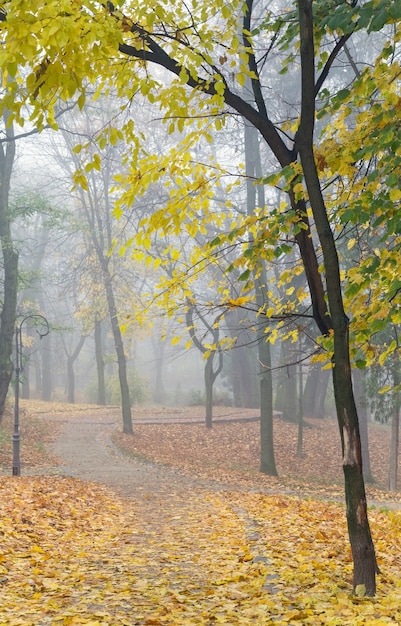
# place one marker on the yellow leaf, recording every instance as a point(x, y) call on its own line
point(395, 194)
point(360, 591)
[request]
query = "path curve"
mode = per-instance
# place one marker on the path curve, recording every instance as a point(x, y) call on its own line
point(85, 450)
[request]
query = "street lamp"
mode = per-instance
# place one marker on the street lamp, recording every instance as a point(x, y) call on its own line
point(42, 323)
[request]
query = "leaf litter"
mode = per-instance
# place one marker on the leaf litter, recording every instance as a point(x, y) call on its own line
point(73, 552)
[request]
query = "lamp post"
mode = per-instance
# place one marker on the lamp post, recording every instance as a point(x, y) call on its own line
point(42, 323)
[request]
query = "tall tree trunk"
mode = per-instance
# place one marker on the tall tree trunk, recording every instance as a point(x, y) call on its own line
point(244, 373)
point(209, 380)
point(300, 413)
point(159, 393)
point(315, 391)
point(253, 170)
point(363, 553)
point(25, 382)
point(267, 459)
point(121, 358)
point(286, 388)
point(395, 430)
point(101, 383)
point(10, 265)
point(47, 368)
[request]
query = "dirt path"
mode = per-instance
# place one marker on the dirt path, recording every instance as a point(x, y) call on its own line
point(85, 450)
point(181, 521)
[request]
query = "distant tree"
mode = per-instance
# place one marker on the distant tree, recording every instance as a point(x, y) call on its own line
point(208, 343)
point(9, 257)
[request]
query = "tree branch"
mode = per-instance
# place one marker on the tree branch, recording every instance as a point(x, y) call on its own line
point(333, 55)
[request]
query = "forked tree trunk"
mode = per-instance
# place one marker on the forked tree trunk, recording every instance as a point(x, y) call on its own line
point(70, 370)
point(210, 374)
point(363, 553)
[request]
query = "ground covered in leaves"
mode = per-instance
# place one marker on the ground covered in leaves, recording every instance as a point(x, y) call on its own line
point(231, 451)
point(74, 552)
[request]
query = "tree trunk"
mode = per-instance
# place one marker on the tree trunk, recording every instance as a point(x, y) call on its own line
point(159, 393)
point(25, 382)
point(300, 414)
point(10, 265)
point(267, 459)
point(363, 553)
point(47, 367)
point(394, 446)
point(395, 431)
point(101, 383)
point(210, 374)
point(209, 391)
point(286, 397)
point(361, 405)
point(119, 347)
point(244, 374)
point(254, 170)
point(70, 370)
point(315, 391)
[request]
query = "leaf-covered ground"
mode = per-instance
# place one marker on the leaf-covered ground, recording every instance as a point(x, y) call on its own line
point(73, 552)
point(230, 451)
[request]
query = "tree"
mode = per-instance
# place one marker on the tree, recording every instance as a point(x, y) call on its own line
point(71, 358)
point(365, 566)
point(10, 261)
point(96, 213)
point(209, 350)
point(205, 71)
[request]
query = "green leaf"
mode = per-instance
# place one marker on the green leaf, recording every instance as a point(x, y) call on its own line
point(245, 275)
point(360, 364)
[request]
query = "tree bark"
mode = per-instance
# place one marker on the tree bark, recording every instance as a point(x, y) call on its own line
point(101, 383)
point(363, 553)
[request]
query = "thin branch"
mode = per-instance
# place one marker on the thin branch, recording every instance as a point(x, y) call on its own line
point(334, 53)
point(36, 131)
